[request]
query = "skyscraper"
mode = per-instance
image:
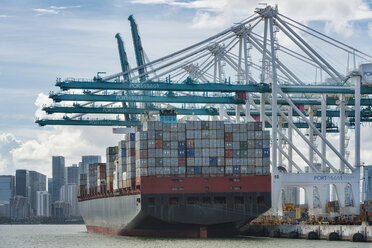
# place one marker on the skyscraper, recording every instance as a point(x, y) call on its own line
point(86, 160)
point(43, 204)
point(50, 186)
point(73, 174)
point(6, 188)
point(6, 193)
point(37, 183)
point(58, 167)
point(22, 183)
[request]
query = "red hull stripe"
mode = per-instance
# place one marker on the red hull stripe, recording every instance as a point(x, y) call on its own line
point(162, 185)
point(201, 232)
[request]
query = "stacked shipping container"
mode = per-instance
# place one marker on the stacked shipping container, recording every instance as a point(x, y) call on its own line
point(194, 148)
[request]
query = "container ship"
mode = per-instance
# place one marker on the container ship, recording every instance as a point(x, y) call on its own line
point(173, 179)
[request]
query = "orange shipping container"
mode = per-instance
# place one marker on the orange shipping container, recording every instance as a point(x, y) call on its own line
point(158, 143)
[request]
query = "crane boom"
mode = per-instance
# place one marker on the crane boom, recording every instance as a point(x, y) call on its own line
point(138, 49)
point(123, 57)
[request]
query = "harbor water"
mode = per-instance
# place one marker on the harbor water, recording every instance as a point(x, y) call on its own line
point(40, 236)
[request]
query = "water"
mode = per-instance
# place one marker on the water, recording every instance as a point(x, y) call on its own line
point(64, 236)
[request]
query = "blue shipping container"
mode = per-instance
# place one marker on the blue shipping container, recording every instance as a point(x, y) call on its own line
point(123, 152)
point(132, 137)
point(198, 170)
point(181, 144)
point(212, 161)
point(190, 152)
point(236, 170)
point(182, 152)
point(266, 152)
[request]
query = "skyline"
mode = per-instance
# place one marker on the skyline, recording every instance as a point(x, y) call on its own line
point(44, 40)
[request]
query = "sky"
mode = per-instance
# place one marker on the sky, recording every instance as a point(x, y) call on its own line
point(42, 40)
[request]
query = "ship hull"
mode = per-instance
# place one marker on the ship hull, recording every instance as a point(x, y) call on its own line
point(172, 214)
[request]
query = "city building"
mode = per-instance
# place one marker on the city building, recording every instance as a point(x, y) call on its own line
point(43, 204)
point(69, 195)
point(367, 183)
point(86, 160)
point(6, 188)
point(61, 209)
point(19, 207)
point(50, 186)
point(58, 171)
point(73, 174)
point(22, 183)
point(6, 193)
point(37, 183)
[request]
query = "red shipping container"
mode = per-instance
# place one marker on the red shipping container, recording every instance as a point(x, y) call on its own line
point(258, 119)
point(228, 137)
point(143, 153)
point(228, 153)
point(132, 152)
point(158, 144)
point(182, 162)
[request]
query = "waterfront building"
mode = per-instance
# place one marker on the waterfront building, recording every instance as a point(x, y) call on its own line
point(6, 188)
point(69, 195)
point(43, 202)
point(58, 171)
point(37, 183)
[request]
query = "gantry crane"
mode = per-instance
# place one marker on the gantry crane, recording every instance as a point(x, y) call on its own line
point(241, 75)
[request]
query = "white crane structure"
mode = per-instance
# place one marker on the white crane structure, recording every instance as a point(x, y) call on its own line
point(259, 69)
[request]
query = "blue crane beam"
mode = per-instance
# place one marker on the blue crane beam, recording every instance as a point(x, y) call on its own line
point(144, 98)
point(187, 99)
point(105, 122)
point(181, 111)
point(206, 87)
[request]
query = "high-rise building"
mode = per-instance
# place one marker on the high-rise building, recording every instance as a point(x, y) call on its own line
point(73, 174)
point(6, 188)
point(69, 195)
point(19, 207)
point(37, 183)
point(58, 171)
point(86, 160)
point(6, 193)
point(43, 202)
point(22, 183)
point(367, 183)
point(50, 186)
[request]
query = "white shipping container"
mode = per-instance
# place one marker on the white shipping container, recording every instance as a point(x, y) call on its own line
point(250, 135)
point(228, 161)
point(190, 161)
point(212, 143)
point(151, 171)
point(205, 152)
point(236, 136)
point(258, 153)
point(228, 170)
point(220, 161)
point(213, 152)
point(151, 162)
point(258, 162)
point(197, 143)
point(220, 143)
point(258, 170)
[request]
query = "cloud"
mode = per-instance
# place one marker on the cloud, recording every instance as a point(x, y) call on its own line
point(7, 143)
point(370, 29)
point(53, 10)
point(338, 15)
